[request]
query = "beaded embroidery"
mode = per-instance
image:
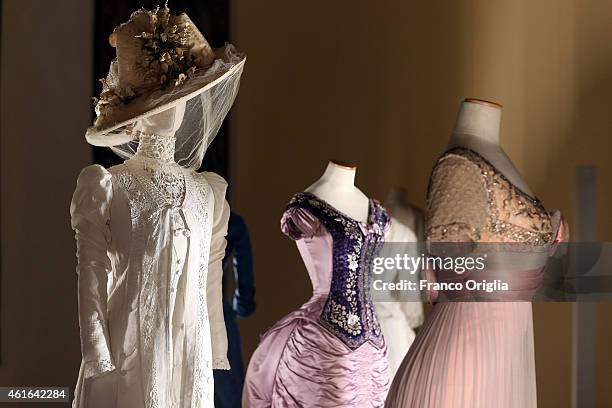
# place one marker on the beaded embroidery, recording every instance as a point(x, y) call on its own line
point(349, 312)
point(512, 202)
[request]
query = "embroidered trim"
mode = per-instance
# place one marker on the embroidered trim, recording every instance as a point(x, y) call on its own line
point(144, 201)
point(203, 389)
point(348, 312)
point(157, 147)
point(95, 368)
point(221, 363)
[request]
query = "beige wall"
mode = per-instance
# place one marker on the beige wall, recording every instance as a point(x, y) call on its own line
point(379, 84)
point(45, 107)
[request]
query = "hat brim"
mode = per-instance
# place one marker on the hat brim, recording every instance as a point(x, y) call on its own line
point(106, 134)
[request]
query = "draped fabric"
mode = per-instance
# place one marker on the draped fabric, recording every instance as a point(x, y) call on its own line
point(150, 308)
point(300, 364)
point(307, 359)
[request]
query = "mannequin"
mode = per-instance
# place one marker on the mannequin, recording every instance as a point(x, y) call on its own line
point(164, 123)
point(150, 231)
point(337, 187)
point(183, 244)
point(474, 353)
point(478, 129)
point(335, 335)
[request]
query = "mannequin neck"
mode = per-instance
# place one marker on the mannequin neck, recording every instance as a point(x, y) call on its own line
point(156, 147)
point(157, 132)
point(478, 129)
point(478, 120)
point(337, 187)
point(341, 177)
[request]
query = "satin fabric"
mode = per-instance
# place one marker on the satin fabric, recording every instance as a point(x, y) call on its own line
point(299, 363)
point(474, 354)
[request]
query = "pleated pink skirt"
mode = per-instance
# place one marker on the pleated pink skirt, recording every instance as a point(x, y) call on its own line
point(470, 355)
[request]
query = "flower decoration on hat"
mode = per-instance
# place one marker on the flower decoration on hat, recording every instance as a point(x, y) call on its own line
point(167, 60)
point(162, 60)
point(155, 51)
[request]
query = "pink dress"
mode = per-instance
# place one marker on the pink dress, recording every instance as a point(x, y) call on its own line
point(476, 349)
point(330, 352)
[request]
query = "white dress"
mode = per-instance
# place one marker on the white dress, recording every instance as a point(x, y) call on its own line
point(149, 271)
point(398, 318)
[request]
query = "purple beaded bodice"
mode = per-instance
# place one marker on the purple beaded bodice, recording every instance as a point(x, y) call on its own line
point(349, 312)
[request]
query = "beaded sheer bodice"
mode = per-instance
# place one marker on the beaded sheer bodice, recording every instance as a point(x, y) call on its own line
point(155, 156)
point(470, 200)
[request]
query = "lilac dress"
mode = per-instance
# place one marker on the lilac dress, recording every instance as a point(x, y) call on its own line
point(330, 352)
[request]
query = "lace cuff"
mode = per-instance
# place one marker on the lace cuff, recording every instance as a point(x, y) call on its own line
point(221, 363)
point(96, 368)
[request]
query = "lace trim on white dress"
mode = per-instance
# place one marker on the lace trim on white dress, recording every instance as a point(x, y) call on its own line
point(95, 368)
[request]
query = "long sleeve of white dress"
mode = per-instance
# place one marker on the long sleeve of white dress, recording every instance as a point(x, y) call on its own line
point(90, 217)
point(214, 289)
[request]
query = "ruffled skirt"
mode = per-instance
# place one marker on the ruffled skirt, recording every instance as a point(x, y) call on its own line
point(300, 364)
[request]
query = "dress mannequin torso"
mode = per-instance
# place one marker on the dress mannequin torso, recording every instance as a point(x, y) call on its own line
point(334, 338)
point(337, 187)
point(472, 353)
point(478, 129)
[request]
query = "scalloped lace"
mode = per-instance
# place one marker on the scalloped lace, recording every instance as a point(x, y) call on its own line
point(156, 157)
point(95, 368)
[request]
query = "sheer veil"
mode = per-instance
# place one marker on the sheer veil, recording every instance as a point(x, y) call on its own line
point(204, 112)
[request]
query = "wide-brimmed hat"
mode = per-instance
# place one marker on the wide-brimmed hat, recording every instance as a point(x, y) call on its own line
point(162, 60)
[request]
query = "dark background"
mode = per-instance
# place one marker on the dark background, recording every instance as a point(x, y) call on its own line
point(373, 83)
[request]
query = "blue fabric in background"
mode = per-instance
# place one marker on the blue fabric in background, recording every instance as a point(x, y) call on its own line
point(239, 259)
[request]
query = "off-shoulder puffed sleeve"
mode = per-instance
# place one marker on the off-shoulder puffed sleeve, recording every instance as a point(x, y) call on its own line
point(90, 215)
point(298, 223)
point(456, 202)
point(214, 290)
